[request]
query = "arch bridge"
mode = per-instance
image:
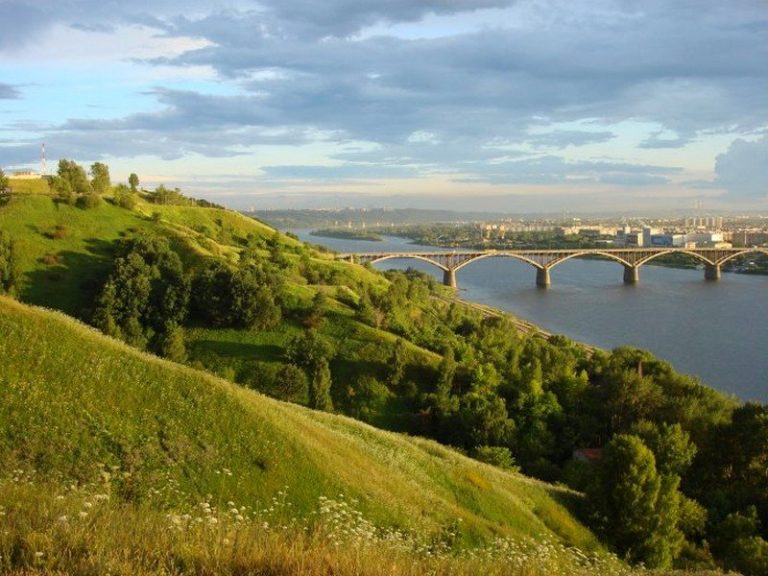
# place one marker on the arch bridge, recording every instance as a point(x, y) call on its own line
point(544, 260)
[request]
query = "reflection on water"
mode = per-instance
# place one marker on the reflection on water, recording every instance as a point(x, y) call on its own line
point(716, 330)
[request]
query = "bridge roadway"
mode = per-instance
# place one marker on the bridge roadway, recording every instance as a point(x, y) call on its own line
point(544, 260)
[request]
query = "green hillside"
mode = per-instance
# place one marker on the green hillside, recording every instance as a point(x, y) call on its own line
point(83, 414)
point(682, 484)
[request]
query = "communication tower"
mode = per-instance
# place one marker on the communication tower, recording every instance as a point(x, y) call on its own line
point(43, 163)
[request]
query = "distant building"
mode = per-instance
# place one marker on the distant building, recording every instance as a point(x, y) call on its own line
point(668, 240)
point(25, 175)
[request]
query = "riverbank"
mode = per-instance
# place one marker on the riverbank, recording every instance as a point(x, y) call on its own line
point(344, 234)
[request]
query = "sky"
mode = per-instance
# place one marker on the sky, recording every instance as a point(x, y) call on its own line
point(503, 105)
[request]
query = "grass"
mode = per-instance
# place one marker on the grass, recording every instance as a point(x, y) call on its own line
point(29, 186)
point(81, 410)
point(81, 530)
point(65, 252)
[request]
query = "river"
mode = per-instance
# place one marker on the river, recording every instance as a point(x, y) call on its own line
point(717, 331)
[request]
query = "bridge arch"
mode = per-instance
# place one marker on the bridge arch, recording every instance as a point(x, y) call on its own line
point(742, 253)
point(691, 253)
point(407, 256)
point(500, 255)
point(589, 252)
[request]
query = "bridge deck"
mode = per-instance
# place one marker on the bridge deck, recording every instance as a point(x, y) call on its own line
point(545, 259)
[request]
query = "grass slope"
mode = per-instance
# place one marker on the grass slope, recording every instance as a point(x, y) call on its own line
point(74, 404)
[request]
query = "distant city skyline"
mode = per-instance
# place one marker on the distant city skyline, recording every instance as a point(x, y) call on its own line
point(501, 105)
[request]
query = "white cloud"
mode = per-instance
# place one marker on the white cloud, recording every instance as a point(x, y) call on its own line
point(743, 168)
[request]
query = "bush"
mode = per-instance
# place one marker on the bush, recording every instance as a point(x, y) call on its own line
point(88, 201)
point(499, 456)
point(57, 232)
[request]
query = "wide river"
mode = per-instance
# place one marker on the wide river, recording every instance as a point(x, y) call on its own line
point(717, 331)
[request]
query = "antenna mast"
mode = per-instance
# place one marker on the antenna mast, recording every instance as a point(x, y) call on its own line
point(43, 164)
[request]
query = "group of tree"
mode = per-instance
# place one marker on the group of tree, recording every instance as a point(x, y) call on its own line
point(242, 297)
point(681, 462)
point(145, 299)
point(4, 182)
point(148, 297)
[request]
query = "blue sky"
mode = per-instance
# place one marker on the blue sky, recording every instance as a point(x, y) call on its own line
point(513, 105)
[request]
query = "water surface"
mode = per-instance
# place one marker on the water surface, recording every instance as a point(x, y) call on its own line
point(715, 330)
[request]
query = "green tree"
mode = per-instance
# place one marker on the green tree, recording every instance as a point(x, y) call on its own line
point(638, 508)
point(320, 387)
point(72, 177)
point(671, 446)
point(124, 197)
point(4, 182)
point(396, 364)
point(290, 384)
point(8, 265)
point(737, 543)
point(236, 297)
point(133, 182)
point(170, 343)
point(100, 180)
point(308, 350)
point(146, 296)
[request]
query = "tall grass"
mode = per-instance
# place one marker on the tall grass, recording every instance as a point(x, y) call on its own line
point(50, 529)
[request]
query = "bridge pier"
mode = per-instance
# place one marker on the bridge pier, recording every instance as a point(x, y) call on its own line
point(631, 274)
point(543, 279)
point(449, 278)
point(711, 272)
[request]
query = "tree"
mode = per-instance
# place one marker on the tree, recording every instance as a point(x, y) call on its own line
point(124, 197)
point(146, 296)
point(237, 297)
point(638, 508)
point(290, 384)
point(170, 343)
point(8, 265)
point(308, 350)
point(3, 181)
point(670, 444)
point(320, 387)
point(397, 364)
point(133, 182)
point(72, 177)
point(100, 180)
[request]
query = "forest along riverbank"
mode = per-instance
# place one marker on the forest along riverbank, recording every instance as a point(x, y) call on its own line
point(714, 330)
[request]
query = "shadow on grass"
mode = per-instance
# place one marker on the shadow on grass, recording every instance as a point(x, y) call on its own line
point(244, 351)
point(73, 280)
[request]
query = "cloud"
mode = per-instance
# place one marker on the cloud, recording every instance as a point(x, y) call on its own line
point(565, 138)
point(9, 92)
point(471, 103)
point(743, 168)
point(345, 17)
point(551, 170)
point(338, 173)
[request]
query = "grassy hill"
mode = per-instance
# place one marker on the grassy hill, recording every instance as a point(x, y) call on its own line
point(84, 419)
point(88, 424)
point(65, 254)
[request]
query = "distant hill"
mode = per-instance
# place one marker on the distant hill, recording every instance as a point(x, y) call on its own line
point(380, 217)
